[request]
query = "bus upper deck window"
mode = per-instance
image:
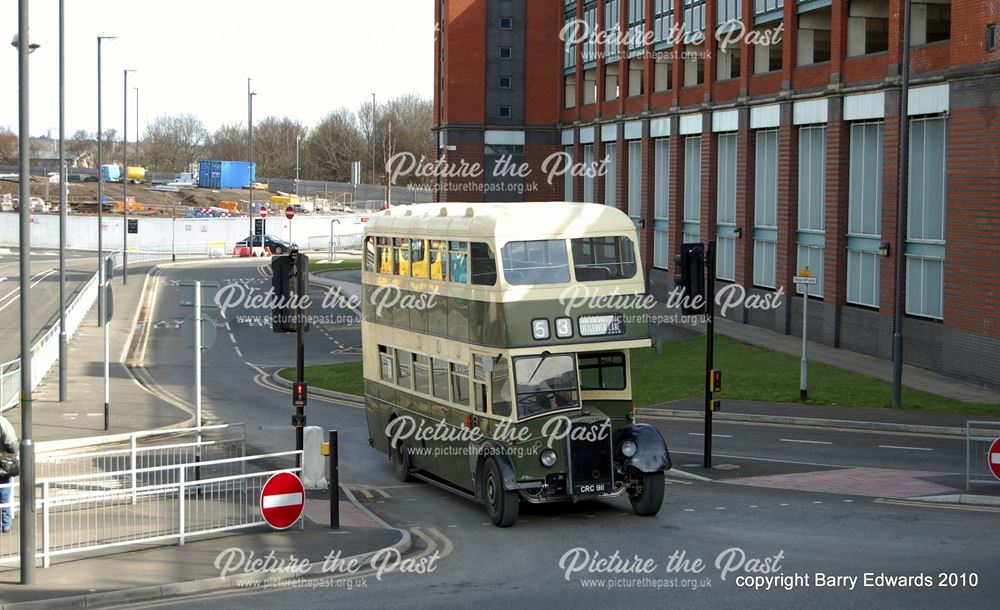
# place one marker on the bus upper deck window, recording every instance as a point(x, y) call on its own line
point(458, 253)
point(531, 263)
point(603, 258)
point(484, 265)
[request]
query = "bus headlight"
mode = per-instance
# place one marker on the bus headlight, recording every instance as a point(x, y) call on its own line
point(629, 448)
point(548, 458)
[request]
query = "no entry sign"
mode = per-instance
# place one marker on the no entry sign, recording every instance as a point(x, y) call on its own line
point(993, 458)
point(263, 212)
point(289, 212)
point(282, 500)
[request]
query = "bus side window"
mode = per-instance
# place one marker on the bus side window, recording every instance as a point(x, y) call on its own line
point(385, 363)
point(484, 265)
point(370, 253)
point(459, 263)
point(501, 389)
point(479, 385)
point(418, 258)
point(439, 370)
point(384, 255)
point(422, 374)
point(439, 260)
point(460, 384)
point(403, 361)
point(401, 257)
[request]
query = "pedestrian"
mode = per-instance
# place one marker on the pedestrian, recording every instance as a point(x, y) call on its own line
point(8, 445)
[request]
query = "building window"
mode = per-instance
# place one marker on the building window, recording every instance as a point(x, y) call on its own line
point(925, 248)
point(766, 209)
point(635, 180)
point(663, 24)
point(812, 204)
point(694, 16)
point(728, 23)
point(635, 37)
point(588, 176)
point(611, 177)
point(590, 87)
point(590, 42)
point(867, 27)
point(692, 189)
point(862, 278)
point(725, 259)
point(814, 37)
point(767, 50)
point(864, 214)
point(768, 10)
point(504, 112)
point(505, 53)
point(611, 30)
point(569, 84)
point(930, 22)
point(568, 176)
point(991, 37)
point(865, 198)
point(663, 73)
point(611, 91)
point(661, 204)
point(636, 77)
point(569, 46)
point(506, 23)
point(925, 287)
point(505, 82)
point(728, 62)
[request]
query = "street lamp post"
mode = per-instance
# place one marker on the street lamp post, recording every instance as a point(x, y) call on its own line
point(27, 448)
point(904, 144)
point(250, 95)
point(125, 178)
point(138, 128)
point(373, 138)
point(100, 191)
point(63, 351)
point(298, 139)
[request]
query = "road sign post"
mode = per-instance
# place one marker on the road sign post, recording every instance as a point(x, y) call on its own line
point(282, 500)
point(289, 214)
point(805, 280)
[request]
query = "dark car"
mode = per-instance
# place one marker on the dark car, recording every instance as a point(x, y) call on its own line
point(275, 245)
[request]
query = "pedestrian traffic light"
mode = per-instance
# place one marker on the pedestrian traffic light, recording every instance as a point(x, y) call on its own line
point(299, 394)
point(282, 273)
point(716, 380)
point(691, 263)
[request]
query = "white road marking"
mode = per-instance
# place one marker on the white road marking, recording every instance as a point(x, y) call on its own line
point(784, 504)
point(817, 502)
point(689, 510)
point(279, 500)
point(720, 508)
point(795, 440)
point(907, 448)
point(232, 338)
point(714, 435)
point(238, 352)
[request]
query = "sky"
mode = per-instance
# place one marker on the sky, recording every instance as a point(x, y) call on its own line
point(306, 58)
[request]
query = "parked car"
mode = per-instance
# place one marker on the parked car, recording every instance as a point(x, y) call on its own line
point(276, 245)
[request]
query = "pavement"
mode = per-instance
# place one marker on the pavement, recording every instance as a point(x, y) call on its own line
point(149, 572)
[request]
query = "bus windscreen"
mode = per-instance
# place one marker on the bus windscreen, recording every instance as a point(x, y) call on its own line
point(545, 383)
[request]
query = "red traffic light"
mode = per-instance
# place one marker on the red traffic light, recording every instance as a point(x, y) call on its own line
point(299, 391)
point(716, 380)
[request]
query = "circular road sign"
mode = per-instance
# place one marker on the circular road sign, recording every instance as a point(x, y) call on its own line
point(263, 212)
point(282, 500)
point(289, 212)
point(993, 458)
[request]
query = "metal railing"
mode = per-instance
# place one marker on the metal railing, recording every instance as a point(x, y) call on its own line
point(979, 436)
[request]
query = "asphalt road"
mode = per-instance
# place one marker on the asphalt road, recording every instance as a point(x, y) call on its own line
point(782, 531)
point(44, 292)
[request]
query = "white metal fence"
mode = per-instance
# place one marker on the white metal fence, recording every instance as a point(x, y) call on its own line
point(166, 491)
point(979, 436)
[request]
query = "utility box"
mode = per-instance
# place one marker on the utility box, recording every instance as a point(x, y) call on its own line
point(226, 174)
point(111, 172)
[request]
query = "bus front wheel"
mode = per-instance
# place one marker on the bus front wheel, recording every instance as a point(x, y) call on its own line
point(501, 505)
point(647, 501)
point(401, 463)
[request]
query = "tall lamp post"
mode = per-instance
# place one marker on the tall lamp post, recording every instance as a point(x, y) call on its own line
point(138, 127)
point(100, 191)
point(63, 351)
point(904, 167)
point(373, 139)
point(27, 448)
point(125, 177)
point(298, 140)
point(250, 95)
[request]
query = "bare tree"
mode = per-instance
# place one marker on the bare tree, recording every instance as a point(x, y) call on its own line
point(331, 146)
point(228, 143)
point(8, 147)
point(274, 146)
point(172, 143)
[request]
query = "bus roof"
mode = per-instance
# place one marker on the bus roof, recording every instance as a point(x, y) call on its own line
point(502, 221)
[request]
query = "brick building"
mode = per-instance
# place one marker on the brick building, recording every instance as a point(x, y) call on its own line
point(768, 126)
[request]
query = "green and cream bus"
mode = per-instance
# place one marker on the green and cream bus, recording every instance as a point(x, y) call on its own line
point(496, 342)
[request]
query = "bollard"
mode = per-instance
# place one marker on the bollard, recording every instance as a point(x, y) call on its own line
point(334, 481)
point(312, 458)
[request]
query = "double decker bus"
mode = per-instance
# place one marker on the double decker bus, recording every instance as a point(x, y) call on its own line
point(496, 342)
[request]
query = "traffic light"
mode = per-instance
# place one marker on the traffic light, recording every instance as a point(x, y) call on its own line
point(691, 262)
point(282, 273)
point(299, 390)
point(715, 379)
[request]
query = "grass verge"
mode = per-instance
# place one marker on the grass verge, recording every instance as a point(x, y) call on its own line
point(316, 266)
point(343, 377)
